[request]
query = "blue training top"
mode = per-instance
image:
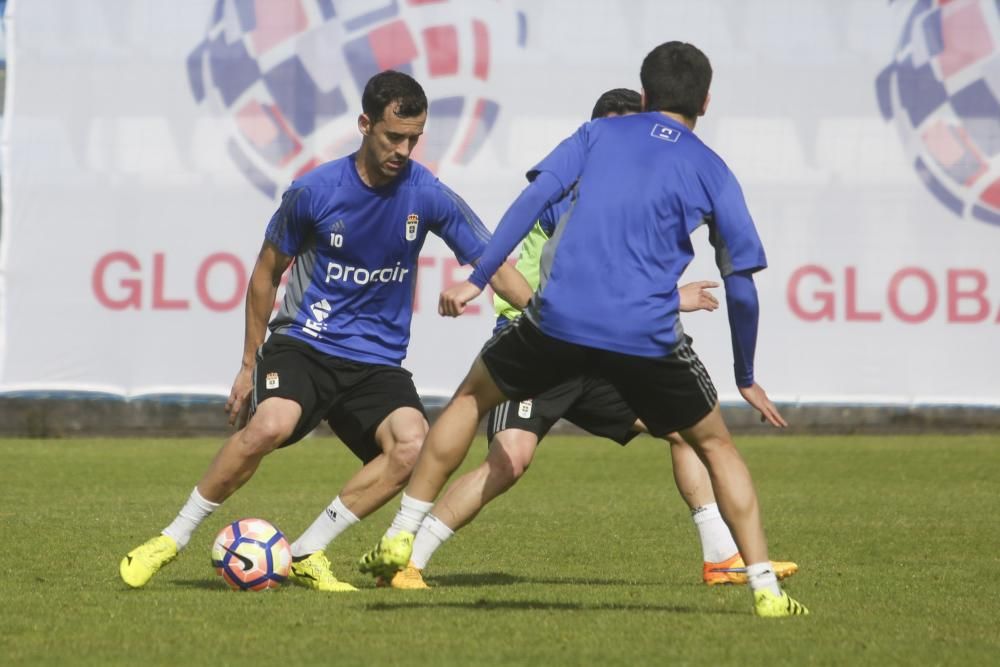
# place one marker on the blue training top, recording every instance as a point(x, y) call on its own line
point(350, 292)
point(640, 185)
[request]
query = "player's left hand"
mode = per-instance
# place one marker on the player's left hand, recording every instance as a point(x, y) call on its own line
point(453, 300)
point(757, 397)
point(695, 296)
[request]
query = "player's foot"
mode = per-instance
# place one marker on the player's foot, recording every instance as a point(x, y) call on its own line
point(768, 605)
point(389, 556)
point(140, 564)
point(410, 578)
point(314, 572)
point(734, 571)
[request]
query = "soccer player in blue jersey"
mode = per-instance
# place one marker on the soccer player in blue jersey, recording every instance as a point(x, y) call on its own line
point(608, 303)
point(515, 429)
point(351, 230)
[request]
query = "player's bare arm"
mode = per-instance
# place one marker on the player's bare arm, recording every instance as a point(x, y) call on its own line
point(507, 282)
point(264, 281)
point(511, 286)
point(695, 296)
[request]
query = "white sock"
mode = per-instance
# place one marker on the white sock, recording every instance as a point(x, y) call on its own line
point(761, 575)
point(432, 534)
point(411, 513)
point(331, 522)
point(195, 510)
point(717, 542)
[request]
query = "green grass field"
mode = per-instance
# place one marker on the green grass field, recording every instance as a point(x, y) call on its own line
point(591, 560)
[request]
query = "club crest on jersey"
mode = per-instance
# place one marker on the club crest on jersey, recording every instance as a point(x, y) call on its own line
point(524, 409)
point(271, 381)
point(666, 133)
point(412, 220)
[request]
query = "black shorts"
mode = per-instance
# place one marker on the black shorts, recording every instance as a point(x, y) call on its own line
point(593, 404)
point(352, 396)
point(667, 393)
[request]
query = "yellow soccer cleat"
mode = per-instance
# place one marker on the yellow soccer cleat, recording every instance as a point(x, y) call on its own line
point(314, 572)
point(734, 571)
point(768, 605)
point(410, 578)
point(140, 564)
point(389, 556)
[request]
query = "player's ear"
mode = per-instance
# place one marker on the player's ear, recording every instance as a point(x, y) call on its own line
point(642, 99)
point(364, 124)
point(704, 107)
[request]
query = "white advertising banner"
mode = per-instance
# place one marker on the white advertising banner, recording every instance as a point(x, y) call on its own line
point(147, 144)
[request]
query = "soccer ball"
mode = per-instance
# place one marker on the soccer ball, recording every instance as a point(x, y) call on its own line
point(943, 93)
point(251, 555)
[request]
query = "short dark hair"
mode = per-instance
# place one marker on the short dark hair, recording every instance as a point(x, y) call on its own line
point(619, 101)
point(391, 86)
point(675, 77)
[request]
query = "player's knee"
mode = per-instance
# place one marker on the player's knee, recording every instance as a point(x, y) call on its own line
point(675, 440)
point(406, 448)
point(519, 464)
point(510, 458)
point(712, 445)
point(265, 433)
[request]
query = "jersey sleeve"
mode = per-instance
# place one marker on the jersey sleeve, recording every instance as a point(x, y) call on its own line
point(732, 231)
point(292, 222)
point(549, 219)
point(520, 217)
point(566, 160)
point(744, 314)
point(457, 224)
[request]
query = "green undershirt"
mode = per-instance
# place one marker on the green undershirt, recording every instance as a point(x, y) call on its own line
point(528, 264)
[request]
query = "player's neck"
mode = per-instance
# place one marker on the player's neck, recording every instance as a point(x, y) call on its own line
point(684, 120)
point(369, 173)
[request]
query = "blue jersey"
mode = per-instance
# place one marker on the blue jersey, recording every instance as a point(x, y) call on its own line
point(639, 186)
point(350, 291)
point(550, 217)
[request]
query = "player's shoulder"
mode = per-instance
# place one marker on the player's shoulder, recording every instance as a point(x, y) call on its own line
point(426, 184)
point(327, 175)
point(713, 168)
point(419, 176)
point(698, 155)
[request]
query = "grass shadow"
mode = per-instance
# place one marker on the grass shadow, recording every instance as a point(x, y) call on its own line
point(477, 579)
point(539, 605)
point(204, 584)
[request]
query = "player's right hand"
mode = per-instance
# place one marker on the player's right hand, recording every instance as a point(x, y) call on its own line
point(453, 300)
point(237, 404)
point(695, 296)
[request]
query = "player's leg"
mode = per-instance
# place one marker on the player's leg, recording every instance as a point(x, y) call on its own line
point(510, 454)
point(453, 432)
point(381, 477)
point(399, 438)
point(514, 430)
point(602, 411)
point(675, 393)
point(235, 463)
point(381, 420)
point(524, 362)
point(444, 450)
point(737, 500)
point(283, 410)
point(721, 560)
point(509, 457)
